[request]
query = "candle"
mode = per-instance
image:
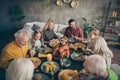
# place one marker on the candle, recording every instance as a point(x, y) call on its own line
point(49, 57)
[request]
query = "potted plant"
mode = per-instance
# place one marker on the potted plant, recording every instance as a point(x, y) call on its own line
point(87, 25)
point(16, 15)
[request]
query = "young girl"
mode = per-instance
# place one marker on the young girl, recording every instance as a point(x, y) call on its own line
point(93, 33)
point(35, 43)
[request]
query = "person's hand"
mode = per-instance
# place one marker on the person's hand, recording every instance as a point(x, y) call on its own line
point(44, 46)
point(76, 37)
point(83, 71)
point(32, 52)
point(87, 49)
point(38, 47)
point(85, 57)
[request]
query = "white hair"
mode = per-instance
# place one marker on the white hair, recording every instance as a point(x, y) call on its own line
point(28, 28)
point(96, 64)
point(21, 32)
point(20, 69)
point(101, 47)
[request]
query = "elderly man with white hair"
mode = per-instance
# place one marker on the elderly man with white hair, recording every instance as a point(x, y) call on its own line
point(16, 49)
point(95, 67)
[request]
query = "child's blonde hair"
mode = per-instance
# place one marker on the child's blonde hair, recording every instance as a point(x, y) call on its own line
point(94, 31)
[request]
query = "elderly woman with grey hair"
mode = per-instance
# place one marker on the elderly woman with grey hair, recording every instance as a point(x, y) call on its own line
point(99, 46)
point(20, 69)
point(95, 68)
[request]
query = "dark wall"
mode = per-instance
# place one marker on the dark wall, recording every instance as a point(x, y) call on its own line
point(5, 23)
point(42, 10)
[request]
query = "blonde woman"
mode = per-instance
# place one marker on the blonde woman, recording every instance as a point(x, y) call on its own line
point(48, 33)
point(96, 69)
point(20, 69)
point(100, 47)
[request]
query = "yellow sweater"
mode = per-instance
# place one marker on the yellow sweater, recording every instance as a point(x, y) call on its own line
point(12, 51)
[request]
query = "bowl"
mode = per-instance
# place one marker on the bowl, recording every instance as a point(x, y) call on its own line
point(43, 76)
point(77, 56)
point(47, 66)
point(65, 62)
point(36, 61)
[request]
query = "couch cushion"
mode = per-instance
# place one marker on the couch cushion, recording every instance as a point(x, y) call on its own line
point(40, 24)
point(29, 24)
point(61, 28)
point(58, 28)
point(35, 27)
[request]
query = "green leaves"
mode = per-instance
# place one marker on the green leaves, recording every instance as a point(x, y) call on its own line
point(86, 27)
point(16, 13)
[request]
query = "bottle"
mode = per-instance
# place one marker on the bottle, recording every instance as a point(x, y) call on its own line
point(113, 14)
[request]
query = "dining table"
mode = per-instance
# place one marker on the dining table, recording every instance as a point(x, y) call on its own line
point(74, 65)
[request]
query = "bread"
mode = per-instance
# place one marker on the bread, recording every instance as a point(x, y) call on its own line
point(49, 67)
point(78, 45)
point(36, 61)
point(68, 74)
point(54, 42)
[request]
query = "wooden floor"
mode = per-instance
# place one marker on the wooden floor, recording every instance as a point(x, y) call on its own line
point(6, 37)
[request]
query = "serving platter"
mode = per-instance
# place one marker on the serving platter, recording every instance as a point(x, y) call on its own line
point(36, 61)
point(50, 67)
point(43, 76)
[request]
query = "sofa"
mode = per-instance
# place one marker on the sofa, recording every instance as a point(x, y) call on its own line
point(58, 28)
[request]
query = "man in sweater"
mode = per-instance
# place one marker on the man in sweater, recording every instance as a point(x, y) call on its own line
point(16, 49)
point(73, 31)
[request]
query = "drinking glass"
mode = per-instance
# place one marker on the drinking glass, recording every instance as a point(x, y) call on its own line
point(49, 57)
